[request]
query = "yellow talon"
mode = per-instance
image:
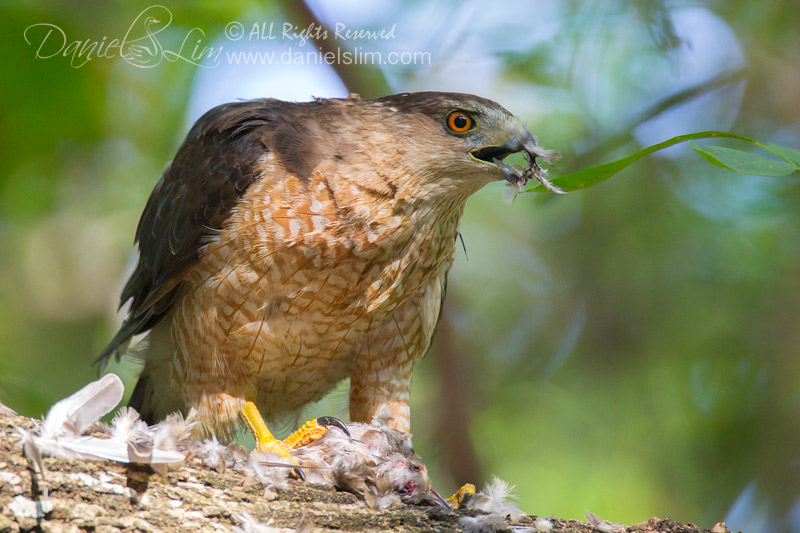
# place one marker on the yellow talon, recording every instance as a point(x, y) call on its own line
point(308, 432)
point(265, 441)
point(462, 496)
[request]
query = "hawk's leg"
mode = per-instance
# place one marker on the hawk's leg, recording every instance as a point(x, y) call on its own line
point(308, 432)
point(381, 390)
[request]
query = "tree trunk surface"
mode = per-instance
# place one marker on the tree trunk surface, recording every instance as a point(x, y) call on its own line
point(96, 496)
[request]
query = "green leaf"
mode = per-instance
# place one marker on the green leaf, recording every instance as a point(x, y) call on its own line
point(791, 154)
point(743, 162)
point(753, 164)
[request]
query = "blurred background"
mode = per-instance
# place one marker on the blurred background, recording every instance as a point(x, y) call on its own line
point(630, 349)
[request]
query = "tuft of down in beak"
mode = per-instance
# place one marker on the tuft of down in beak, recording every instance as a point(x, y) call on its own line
point(515, 174)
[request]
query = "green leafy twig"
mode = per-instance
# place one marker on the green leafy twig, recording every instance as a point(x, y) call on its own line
point(731, 159)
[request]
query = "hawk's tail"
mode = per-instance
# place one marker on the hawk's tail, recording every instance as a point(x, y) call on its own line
point(142, 400)
point(119, 344)
point(155, 396)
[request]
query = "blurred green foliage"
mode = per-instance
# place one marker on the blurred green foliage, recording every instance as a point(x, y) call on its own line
point(630, 349)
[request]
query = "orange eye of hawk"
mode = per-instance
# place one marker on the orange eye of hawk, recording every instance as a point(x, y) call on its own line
point(459, 121)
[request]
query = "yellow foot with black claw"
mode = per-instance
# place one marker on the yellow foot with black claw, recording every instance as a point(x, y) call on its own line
point(308, 433)
point(460, 498)
point(311, 431)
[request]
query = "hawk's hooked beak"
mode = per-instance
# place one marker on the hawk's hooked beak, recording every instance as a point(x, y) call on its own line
point(514, 174)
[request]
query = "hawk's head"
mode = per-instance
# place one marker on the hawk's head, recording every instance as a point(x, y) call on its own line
point(464, 137)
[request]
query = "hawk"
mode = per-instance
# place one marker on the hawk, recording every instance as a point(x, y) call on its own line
point(289, 246)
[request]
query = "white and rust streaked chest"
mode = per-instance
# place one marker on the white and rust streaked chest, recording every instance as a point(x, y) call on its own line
point(307, 275)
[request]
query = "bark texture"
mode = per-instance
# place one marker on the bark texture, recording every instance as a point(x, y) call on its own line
point(97, 497)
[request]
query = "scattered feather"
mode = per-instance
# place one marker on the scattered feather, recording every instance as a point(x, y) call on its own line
point(130, 439)
point(543, 525)
point(495, 499)
point(30, 448)
point(127, 426)
point(214, 454)
point(383, 417)
point(73, 415)
point(174, 430)
point(250, 524)
point(489, 523)
point(603, 525)
point(99, 428)
point(545, 154)
point(510, 193)
point(42, 505)
point(240, 457)
point(270, 469)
